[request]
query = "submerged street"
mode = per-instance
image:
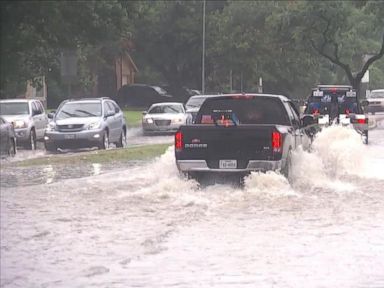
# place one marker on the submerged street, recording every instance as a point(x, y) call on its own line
point(144, 225)
point(133, 135)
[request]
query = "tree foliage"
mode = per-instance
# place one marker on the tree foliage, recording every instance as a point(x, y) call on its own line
point(34, 33)
point(348, 34)
point(292, 45)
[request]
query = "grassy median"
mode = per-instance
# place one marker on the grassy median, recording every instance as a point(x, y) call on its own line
point(133, 118)
point(144, 152)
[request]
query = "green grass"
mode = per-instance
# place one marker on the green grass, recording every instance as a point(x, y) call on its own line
point(99, 156)
point(133, 117)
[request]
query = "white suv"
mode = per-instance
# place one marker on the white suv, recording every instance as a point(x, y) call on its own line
point(28, 118)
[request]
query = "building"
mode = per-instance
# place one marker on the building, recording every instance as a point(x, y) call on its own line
point(125, 70)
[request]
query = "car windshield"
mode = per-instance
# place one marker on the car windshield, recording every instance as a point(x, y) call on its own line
point(195, 102)
point(377, 94)
point(166, 109)
point(14, 108)
point(254, 110)
point(76, 109)
point(159, 90)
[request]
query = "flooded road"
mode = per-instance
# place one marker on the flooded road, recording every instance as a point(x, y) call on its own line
point(146, 226)
point(135, 137)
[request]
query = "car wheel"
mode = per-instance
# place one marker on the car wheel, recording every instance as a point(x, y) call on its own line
point(31, 145)
point(12, 147)
point(122, 143)
point(50, 147)
point(105, 142)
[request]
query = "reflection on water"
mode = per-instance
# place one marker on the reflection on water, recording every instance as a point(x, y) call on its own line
point(50, 174)
point(13, 176)
point(96, 168)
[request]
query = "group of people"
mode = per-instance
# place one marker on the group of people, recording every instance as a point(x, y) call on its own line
point(333, 105)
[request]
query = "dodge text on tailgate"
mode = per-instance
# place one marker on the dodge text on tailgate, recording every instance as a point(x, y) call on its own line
point(241, 133)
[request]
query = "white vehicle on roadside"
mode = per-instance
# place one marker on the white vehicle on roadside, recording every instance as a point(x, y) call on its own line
point(29, 120)
point(375, 101)
point(164, 117)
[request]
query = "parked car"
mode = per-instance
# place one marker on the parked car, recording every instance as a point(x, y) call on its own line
point(88, 122)
point(7, 138)
point(194, 103)
point(179, 93)
point(164, 117)
point(375, 101)
point(240, 133)
point(29, 119)
point(141, 95)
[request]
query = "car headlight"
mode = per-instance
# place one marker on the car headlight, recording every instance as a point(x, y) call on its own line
point(20, 124)
point(94, 125)
point(148, 120)
point(51, 126)
point(177, 121)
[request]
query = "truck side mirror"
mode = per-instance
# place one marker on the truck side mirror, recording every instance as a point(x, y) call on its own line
point(364, 103)
point(308, 120)
point(51, 114)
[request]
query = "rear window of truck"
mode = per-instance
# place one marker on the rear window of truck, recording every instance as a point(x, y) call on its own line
point(243, 110)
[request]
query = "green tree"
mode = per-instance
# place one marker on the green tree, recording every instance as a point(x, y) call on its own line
point(168, 38)
point(34, 33)
point(348, 34)
point(255, 39)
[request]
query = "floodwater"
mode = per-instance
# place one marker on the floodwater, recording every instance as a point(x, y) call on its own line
point(146, 226)
point(135, 137)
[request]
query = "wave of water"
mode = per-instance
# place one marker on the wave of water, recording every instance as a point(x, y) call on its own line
point(148, 226)
point(337, 154)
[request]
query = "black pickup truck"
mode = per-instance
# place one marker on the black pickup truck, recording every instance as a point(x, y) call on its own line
point(240, 133)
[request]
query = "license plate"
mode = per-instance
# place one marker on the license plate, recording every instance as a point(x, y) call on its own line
point(228, 164)
point(69, 136)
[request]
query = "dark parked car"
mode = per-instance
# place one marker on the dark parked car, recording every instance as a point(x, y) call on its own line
point(7, 138)
point(141, 95)
point(88, 122)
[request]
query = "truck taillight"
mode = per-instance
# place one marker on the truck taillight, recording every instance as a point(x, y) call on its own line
point(179, 140)
point(276, 141)
point(362, 121)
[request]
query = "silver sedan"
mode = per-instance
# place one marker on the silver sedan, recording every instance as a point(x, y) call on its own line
point(164, 117)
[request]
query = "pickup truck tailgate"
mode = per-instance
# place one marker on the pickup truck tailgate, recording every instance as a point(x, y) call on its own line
point(241, 143)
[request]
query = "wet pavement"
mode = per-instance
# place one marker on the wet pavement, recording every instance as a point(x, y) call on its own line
point(146, 226)
point(13, 176)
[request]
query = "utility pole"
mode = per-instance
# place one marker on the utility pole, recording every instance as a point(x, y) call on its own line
point(203, 55)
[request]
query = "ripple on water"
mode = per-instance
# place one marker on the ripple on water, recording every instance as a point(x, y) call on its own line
point(13, 176)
